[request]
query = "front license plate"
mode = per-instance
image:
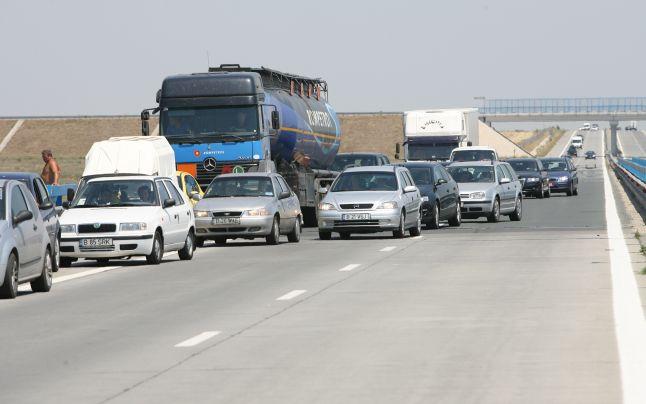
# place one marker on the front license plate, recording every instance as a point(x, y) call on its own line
point(356, 216)
point(226, 220)
point(95, 243)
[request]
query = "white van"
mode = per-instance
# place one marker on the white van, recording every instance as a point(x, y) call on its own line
point(577, 141)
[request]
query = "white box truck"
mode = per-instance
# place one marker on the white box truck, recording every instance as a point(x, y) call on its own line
point(433, 134)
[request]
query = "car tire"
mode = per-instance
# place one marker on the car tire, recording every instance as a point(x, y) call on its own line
point(220, 241)
point(576, 191)
point(401, 230)
point(295, 235)
point(56, 260)
point(417, 230)
point(435, 219)
point(456, 220)
point(548, 194)
point(157, 254)
point(9, 288)
point(540, 194)
point(274, 235)
point(325, 235)
point(517, 214)
point(494, 216)
point(186, 253)
point(44, 282)
point(199, 242)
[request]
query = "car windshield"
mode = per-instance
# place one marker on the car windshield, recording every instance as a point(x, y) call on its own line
point(589, 153)
point(365, 181)
point(343, 161)
point(464, 174)
point(114, 193)
point(199, 125)
point(421, 175)
point(473, 155)
point(240, 187)
point(521, 165)
point(555, 165)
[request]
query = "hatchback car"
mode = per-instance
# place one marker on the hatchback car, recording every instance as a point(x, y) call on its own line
point(370, 200)
point(571, 151)
point(248, 206)
point(440, 193)
point(590, 155)
point(488, 189)
point(562, 174)
point(533, 176)
point(25, 246)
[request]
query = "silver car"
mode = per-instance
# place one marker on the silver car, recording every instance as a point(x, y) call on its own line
point(25, 246)
point(371, 199)
point(248, 206)
point(488, 189)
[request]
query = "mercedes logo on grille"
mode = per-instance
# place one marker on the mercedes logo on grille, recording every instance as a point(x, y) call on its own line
point(209, 164)
point(356, 206)
point(96, 225)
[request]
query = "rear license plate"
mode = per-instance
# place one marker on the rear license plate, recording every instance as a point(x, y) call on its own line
point(95, 243)
point(226, 220)
point(356, 216)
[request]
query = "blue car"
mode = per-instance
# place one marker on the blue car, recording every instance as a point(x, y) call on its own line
point(562, 175)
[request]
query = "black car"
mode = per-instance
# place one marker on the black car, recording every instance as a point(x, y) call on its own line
point(571, 151)
point(590, 155)
point(46, 205)
point(533, 175)
point(440, 193)
point(562, 174)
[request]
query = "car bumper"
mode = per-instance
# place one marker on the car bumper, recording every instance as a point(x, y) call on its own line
point(476, 208)
point(559, 186)
point(122, 246)
point(380, 220)
point(532, 186)
point(250, 226)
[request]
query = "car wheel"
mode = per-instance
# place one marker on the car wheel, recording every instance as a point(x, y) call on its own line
point(456, 220)
point(220, 241)
point(325, 235)
point(44, 282)
point(417, 230)
point(56, 261)
point(494, 216)
point(295, 235)
point(274, 235)
point(157, 253)
point(9, 288)
point(576, 191)
point(435, 220)
point(199, 242)
point(540, 194)
point(517, 214)
point(186, 253)
point(569, 191)
point(65, 262)
point(548, 194)
point(401, 231)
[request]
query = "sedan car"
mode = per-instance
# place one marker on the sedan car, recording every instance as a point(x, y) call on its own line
point(440, 193)
point(562, 174)
point(38, 190)
point(25, 246)
point(370, 200)
point(488, 189)
point(571, 151)
point(590, 155)
point(248, 206)
point(533, 176)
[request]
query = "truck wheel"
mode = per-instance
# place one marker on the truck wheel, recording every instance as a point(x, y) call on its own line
point(274, 235)
point(494, 216)
point(456, 220)
point(186, 253)
point(325, 235)
point(44, 282)
point(157, 254)
point(9, 288)
point(401, 230)
point(295, 235)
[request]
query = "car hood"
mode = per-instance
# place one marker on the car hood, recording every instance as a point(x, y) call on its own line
point(553, 174)
point(476, 186)
point(374, 197)
point(109, 215)
point(235, 203)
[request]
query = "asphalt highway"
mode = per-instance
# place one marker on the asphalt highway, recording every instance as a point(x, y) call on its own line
point(509, 312)
point(632, 143)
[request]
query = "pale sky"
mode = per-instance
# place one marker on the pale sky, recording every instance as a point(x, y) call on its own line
point(109, 57)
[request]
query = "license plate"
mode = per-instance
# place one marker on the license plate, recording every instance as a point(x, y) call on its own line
point(226, 220)
point(356, 216)
point(95, 243)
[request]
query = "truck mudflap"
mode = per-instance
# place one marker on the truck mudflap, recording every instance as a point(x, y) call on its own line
point(306, 184)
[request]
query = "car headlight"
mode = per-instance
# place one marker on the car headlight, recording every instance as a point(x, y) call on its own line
point(133, 226)
point(532, 179)
point(326, 206)
point(68, 228)
point(202, 213)
point(388, 205)
point(257, 212)
point(477, 195)
point(425, 199)
point(563, 178)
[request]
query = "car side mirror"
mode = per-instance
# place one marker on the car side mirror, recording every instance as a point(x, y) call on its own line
point(22, 216)
point(410, 188)
point(284, 195)
point(505, 180)
point(145, 127)
point(70, 194)
point(196, 196)
point(440, 181)
point(323, 190)
point(169, 202)
point(275, 120)
point(46, 205)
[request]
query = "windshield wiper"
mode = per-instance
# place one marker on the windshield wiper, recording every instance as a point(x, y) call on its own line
point(185, 138)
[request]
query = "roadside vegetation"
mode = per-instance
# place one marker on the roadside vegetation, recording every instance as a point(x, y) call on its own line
point(537, 142)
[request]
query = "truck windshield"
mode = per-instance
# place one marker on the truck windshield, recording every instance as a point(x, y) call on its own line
point(365, 181)
point(115, 193)
point(199, 125)
point(432, 152)
point(343, 161)
point(239, 186)
point(473, 155)
point(464, 174)
point(521, 165)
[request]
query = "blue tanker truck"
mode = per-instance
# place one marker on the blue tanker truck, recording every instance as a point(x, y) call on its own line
point(238, 119)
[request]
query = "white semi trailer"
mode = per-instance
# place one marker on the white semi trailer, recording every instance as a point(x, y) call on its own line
point(433, 134)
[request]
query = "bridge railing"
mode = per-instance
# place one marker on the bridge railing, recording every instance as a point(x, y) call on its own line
point(564, 106)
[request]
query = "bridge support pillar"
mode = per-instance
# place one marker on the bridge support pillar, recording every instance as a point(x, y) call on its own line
point(613, 137)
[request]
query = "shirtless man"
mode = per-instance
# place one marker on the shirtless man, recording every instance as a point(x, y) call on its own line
point(51, 172)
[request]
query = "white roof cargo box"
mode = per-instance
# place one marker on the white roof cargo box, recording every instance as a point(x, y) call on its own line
point(147, 155)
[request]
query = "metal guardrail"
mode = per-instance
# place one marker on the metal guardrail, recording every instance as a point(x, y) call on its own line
point(617, 105)
point(635, 186)
point(635, 166)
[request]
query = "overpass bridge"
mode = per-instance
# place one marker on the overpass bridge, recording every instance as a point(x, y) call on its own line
point(612, 109)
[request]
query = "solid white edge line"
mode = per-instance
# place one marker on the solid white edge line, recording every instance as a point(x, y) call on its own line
point(387, 249)
point(292, 294)
point(83, 274)
point(630, 326)
point(198, 339)
point(349, 267)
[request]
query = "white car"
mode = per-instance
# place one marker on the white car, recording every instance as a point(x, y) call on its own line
point(125, 216)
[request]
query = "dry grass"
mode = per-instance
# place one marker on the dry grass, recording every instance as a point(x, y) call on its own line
point(531, 140)
point(554, 134)
point(5, 127)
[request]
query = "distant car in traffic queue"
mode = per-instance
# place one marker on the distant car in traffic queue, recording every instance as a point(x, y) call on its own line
point(25, 246)
point(188, 184)
point(439, 191)
point(577, 141)
point(590, 155)
point(488, 189)
point(248, 205)
point(562, 175)
point(571, 151)
point(358, 159)
point(533, 176)
point(595, 126)
point(371, 200)
point(473, 153)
